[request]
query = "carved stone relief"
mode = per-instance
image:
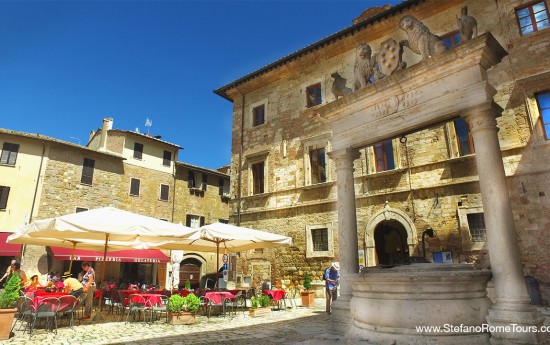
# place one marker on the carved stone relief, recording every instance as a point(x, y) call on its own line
point(467, 25)
point(389, 58)
point(364, 64)
point(339, 87)
point(420, 39)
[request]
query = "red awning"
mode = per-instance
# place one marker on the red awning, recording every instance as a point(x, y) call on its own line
point(131, 255)
point(8, 249)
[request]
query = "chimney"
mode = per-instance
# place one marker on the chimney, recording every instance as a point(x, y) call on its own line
point(92, 133)
point(107, 125)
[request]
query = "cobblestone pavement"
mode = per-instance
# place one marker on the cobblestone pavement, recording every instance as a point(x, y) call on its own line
point(305, 326)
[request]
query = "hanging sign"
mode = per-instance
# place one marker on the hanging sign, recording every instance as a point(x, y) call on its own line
point(225, 275)
point(225, 258)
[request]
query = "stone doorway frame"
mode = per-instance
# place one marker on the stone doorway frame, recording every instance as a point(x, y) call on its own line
point(386, 214)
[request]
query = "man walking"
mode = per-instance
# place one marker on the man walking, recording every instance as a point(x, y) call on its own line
point(332, 278)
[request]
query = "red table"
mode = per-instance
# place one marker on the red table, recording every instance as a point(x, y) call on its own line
point(41, 295)
point(151, 299)
point(275, 294)
point(218, 296)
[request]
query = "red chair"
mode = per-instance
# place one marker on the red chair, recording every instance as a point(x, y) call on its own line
point(279, 296)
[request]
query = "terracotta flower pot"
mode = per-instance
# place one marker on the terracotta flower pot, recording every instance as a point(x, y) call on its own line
point(6, 319)
point(181, 318)
point(308, 298)
point(256, 312)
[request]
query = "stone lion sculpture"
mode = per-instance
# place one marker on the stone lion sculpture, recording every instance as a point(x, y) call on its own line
point(364, 66)
point(420, 39)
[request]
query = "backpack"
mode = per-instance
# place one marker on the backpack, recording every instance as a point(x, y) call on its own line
point(325, 273)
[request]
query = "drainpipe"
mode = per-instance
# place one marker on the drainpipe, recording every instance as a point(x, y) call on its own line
point(174, 171)
point(241, 148)
point(24, 247)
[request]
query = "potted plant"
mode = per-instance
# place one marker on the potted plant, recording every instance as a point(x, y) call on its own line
point(181, 310)
point(8, 299)
point(187, 285)
point(259, 306)
point(308, 297)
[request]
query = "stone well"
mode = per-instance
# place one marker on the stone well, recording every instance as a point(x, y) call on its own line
point(388, 304)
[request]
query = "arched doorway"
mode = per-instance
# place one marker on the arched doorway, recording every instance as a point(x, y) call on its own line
point(390, 241)
point(190, 268)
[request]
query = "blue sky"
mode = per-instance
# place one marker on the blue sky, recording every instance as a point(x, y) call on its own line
point(66, 65)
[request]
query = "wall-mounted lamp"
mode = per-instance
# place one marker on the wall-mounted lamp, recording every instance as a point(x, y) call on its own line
point(403, 139)
point(430, 233)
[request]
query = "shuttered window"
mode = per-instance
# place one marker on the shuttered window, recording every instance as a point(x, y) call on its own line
point(318, 166)
point(259, 115)
point(164, 192)
point(223, 187)
point(258, 178)
point(87, 171)
point(191, 179)
point(4, 193)
point(134, 186)
point(204, 182)
point(167, 158)
point(138, 150)
point(193, 221)
point(9, 153)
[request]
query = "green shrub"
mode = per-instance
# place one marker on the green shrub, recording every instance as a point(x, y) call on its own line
point(307, 282)
point(264, 301)
point(254, 303)
point(191, 303)
point(187, 285)
point(11, 292)
point(176, 303)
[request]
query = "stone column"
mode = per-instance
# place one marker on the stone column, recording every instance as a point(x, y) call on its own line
point(512, 302)
point(347, 236)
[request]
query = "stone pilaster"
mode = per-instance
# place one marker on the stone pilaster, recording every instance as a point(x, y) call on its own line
point(347, 236)
point(512, 305)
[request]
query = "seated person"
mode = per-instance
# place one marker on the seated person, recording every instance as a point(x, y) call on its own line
point(33, 283)
point(72, 285)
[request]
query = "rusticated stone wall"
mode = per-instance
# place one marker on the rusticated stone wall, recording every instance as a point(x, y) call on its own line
point(430, 185)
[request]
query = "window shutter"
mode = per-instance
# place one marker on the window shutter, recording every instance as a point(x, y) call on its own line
point(13, 155)
point(202, 221)
point(138, 150)
point(204, 181)
point(9, 153)
point(87, 171)
point(191, 180)
point(4, 193)
point(167, 158)
point(164, 192)
point(134, 186)
point(188, 220)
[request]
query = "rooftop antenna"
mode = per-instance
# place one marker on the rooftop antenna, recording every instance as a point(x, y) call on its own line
point(148, 124)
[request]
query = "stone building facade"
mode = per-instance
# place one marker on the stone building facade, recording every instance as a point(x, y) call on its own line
point(284, 180)
point(58, 178)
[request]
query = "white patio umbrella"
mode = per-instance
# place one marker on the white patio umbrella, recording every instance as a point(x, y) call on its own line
point(176, 256)
point(230, 238)
point(115, 228)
